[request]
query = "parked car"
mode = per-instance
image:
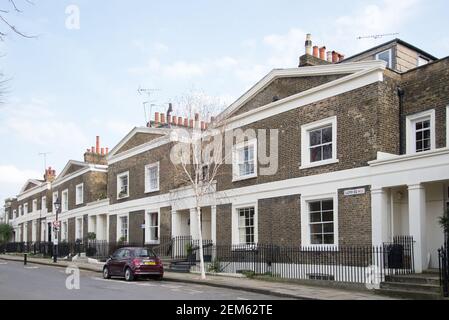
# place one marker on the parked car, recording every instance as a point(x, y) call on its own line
point(132, 263)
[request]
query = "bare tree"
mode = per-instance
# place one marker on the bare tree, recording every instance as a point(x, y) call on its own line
point(197, 156)
point(5, 13)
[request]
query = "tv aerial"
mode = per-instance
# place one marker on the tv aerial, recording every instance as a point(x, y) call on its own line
point(378, 36)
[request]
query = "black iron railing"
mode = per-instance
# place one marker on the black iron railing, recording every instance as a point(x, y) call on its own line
point(443, 254)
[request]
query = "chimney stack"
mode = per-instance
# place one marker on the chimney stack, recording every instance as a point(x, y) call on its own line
point(323, 53)
point(97, 154)
point(315, 51)
point(49, 175)
point(308, 44)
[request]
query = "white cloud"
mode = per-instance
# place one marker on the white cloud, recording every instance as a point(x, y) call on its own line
point(34, 122)
point(10, 174)
point(285, 47)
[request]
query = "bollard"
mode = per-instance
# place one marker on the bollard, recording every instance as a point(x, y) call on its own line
point(24, 259)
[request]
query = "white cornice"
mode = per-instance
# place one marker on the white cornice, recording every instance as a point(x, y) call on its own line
point(139, 149)
point(158, 131)
point(344, 68)
point(31, 192)
point(88, 168)
point(327, 90)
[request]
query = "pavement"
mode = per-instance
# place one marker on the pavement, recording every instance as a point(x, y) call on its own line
point(272, 288)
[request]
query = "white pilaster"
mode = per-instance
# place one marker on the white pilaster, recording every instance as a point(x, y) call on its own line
point(380, 216)
point(213, 224)
point(194, 224)
point(175, 223)
point(417, 224)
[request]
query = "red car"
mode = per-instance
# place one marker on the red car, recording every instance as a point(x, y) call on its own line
point(133, 263)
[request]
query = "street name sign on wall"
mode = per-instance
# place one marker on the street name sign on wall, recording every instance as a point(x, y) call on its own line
point(354, 192)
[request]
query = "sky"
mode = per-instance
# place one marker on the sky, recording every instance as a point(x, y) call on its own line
point(79, 76)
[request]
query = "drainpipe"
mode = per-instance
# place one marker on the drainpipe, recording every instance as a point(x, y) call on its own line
point(401, 93)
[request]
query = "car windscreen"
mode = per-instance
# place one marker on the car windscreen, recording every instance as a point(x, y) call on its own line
point(144, 252)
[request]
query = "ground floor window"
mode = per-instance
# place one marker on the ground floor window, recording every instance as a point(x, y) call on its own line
point(321, 222)
point(153, 226)
point(123, 228)
point(79, 229)
point(246, 225)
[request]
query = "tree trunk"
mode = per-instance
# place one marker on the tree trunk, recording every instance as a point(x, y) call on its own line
point(200, 235)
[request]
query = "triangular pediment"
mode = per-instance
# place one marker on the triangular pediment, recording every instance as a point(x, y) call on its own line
point(136, 138)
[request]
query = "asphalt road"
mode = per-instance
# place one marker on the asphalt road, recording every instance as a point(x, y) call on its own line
point(19, 282)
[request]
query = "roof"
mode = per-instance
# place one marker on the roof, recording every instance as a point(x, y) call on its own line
point(397, 40)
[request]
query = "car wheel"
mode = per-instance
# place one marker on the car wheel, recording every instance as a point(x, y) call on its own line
point(129, 275)
point(106, 274)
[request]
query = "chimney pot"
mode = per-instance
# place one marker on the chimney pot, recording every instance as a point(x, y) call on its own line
point(102, 151)
point(191, 123)
point(186, 122)
point(334, 56)
point(107, 150)
point(97, 149)
point(329, 56)
point(197, 116)
point(323, 53)
point(179, 121)
point(315, 51)
point(163, 118)
point(168, 119)
point(175, 120)
point(92, 150)
point(156, 118)
point(341, 57)
point(203, 127)
point(308, 44)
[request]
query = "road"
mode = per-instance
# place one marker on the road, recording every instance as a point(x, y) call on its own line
point(19, 282)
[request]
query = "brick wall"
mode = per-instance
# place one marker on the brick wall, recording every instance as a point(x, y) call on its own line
point(354, 218)
point(138, 139)
point(224, 224)
point(279, 221)
point(136, 167)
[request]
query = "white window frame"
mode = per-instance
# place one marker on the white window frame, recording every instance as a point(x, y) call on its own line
point(447, 126)
point(420, 59)
point(44, 203)
point(390, 52)
point(79, 226)
point(305, 219)
point(410, 128)
point(148, 227)
point(20, 211)
point(79, 196)
point(119, 176)
point(64, 230)
point(14, 214)
point(34, 205)
point(235, 224)
point(305, 142)
point(235, 160)
point(148, 188)
point(119, 226)
point(25, 208)
point(65, 202)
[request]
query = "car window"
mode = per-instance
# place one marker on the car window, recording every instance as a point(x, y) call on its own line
point(118, 253)
point(143, 252)
point(126, 254)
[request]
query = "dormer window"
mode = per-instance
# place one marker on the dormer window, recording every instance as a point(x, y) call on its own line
point(387, 57)
point(123, 185)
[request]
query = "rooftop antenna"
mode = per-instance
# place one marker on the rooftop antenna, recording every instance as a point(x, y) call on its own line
point(44, 155)
point(149, 92)
point(378, 36)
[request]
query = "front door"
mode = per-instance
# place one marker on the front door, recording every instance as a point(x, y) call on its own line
point(49, 232)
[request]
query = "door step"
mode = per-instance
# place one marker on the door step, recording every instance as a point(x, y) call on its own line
point(425, 286)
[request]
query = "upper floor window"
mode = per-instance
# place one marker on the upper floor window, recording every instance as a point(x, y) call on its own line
point(387, 57)
point(422, 61)
point(25, 208)
point(152, 177)
point(55, 198)
point(245, 160)
point(318, 143)
point(65, 201)
point(35, 205)
point(79, 194)
point(421, 132)
point(44, 203)
point(123, 185)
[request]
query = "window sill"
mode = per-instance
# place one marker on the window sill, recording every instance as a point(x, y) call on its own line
point(153, 242)
point(252, 176)
point(319, 164)
point(124, 197)
point(152, 191)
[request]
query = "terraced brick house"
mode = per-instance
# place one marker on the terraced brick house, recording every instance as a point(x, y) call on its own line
point(362, 157)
